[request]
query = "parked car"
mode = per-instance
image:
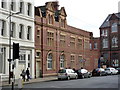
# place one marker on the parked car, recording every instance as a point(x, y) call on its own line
point(67, 74)
point(111, 70)
point(118, 70)
point(99, 72)
point(83, 73)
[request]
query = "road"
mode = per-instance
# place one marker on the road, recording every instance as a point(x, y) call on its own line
point(93, 82)
point(106, 82)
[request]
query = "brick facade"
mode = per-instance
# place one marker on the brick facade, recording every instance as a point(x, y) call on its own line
point(58, 45)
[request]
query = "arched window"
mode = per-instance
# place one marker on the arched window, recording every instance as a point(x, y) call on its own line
point(62, 60)
point(49, 61)
point(114, 27)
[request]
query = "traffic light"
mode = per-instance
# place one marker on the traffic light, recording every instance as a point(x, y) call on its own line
point(15, 51)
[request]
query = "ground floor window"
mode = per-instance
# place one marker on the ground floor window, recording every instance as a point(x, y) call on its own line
point(49, 61)
point(2, 59)
point(115, 62)
point(62, 59)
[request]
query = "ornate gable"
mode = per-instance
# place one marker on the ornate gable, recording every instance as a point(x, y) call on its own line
point(63, 12)
point(49, 6)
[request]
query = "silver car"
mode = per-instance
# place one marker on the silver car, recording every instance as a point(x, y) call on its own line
point(67, 74)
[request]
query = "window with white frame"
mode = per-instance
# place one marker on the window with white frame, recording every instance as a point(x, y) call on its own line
point(3, 27)
point(29, 11)
point(13, 5)
point(22, 7)
point(12, 29)
point(115, 63)
point(28, 32)
point(105, 43)
point(3, 4)
point(49, 61)
point(114, 42)
point(62, 59)
point(90, 45)
point(104, 32)
point(21, 28)
point(22, 58)
point(72, 61)
point(114, 27)
point(95, 45)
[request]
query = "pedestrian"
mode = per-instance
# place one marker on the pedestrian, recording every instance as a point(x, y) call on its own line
point(23, 75)
point(28, 74)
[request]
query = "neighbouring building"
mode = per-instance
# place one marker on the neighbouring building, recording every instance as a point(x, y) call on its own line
point(22, 32)
point(58, 45)
point(110, 40)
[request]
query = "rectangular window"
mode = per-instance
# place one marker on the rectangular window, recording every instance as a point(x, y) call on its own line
point(115, 63)
point(72, 61)
point(29, 9)
point(2, 23)
point(20, 31)
point(62, 41)
point(86, 44)
point(95, 45)
point(72, 42)
point(104, 33)
point(3, 4)
point(22, 57)
point(79, 45)
point(21, 7)
point(28, 33)
point(114, 42)
point(105, 43)
point(90, 45)
point(12, 29)
point(50, 38)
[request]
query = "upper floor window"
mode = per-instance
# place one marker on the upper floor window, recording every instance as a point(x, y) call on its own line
point(28, 32)
point(105, 43)
point(13, 5)
point(12, 29)
point(50, 38)
point(3, 4)
point(62, 41)
point(90, 45)
point(21, 31)
point(72, 42)
point(114, 27)
point(50, 19)
point(114, 42)
point(104, 33)
point(3, 27)
point(63, 23)
point(22, 7)
point(95, 45)
point(86, 44)
point(29, 11)
point(79, 44)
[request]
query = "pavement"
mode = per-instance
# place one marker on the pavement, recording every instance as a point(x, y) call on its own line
point(44, 79)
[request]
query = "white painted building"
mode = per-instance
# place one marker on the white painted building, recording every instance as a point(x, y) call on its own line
point(22, 32)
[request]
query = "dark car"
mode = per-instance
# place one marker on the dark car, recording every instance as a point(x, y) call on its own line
point(83, 73)
point(99, 72)
point(118, 70)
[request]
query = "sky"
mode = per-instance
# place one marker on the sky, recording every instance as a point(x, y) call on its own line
point(86, 14)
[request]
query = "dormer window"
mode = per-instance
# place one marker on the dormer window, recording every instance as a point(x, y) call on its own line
point(50, 19)
point(114, 27)
point(63, 23)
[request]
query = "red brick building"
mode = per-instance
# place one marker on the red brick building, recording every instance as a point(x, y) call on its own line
point(110, 40)
point(58, 45)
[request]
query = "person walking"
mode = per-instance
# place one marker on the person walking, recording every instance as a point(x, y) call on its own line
point(23, 75)
point(28, 74)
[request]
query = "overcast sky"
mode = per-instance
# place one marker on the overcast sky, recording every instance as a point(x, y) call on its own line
point(86, 14)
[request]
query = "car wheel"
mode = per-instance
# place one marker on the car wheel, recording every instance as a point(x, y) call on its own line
point(76, 77)
point(83, 76)
point(59, 78)
point(68, 77)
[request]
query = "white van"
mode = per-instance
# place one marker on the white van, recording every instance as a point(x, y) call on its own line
point(67, 74)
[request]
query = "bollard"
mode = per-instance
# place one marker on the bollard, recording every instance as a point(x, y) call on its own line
point(20, 83)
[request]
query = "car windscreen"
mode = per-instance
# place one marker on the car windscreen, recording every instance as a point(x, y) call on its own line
point(62, 71)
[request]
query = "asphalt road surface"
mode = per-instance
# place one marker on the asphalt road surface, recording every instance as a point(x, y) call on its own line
point(93, 82)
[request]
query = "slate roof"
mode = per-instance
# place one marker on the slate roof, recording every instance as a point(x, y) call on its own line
point(106, 22)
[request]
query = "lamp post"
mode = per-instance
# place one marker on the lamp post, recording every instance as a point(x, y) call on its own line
point(10, 59)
